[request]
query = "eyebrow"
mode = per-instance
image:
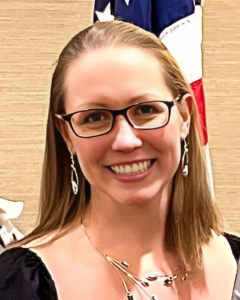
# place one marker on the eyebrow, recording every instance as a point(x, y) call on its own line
point(133, 100)
point(147, 95)
point(90, 105)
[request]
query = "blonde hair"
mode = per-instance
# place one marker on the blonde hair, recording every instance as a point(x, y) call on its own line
point(192, 214)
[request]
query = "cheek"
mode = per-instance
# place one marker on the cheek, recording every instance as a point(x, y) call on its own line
point(89, 153)
point(167, 142)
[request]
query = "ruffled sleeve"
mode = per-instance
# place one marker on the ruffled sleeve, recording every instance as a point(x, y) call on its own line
point(24, 276)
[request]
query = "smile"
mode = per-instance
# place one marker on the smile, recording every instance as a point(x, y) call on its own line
point(132, 169)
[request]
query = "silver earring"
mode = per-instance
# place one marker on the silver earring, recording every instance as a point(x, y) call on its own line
point(74, 173)
point(185, 160)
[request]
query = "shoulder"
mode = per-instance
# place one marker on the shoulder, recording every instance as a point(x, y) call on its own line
point(226, 243)
point(219, 252)
point(24, 276)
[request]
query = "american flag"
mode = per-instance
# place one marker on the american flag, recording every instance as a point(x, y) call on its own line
point(178, 24)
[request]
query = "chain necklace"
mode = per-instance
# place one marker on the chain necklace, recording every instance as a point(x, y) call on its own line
point(142, 284)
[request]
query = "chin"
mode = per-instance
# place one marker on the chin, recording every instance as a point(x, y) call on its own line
point(139, 197)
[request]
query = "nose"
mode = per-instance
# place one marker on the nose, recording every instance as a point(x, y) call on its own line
point(125, 138)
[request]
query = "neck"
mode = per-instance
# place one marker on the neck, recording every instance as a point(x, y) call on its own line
point(133, 234)
point(124, 231)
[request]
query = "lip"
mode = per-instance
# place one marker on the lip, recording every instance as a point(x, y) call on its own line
point(131, 178)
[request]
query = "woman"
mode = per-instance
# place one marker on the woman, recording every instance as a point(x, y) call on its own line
point(137, 220)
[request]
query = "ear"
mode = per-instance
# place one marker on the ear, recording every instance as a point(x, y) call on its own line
point(63, 128)
point(185, 109)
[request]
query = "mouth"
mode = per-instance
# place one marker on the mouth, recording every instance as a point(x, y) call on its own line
point(132, 169)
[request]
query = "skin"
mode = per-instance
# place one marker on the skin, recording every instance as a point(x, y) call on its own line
point(127, 219)
point(117, 200)
point(118, 89)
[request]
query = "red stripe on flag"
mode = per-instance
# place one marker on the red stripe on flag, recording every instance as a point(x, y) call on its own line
point(197, 87)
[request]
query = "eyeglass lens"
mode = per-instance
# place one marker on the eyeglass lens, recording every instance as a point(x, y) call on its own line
point(143, 115)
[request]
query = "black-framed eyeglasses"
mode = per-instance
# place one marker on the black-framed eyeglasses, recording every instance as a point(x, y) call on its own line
point(145, 115)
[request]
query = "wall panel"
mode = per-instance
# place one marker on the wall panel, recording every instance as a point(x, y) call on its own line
point(32, 33)
point(221, 62)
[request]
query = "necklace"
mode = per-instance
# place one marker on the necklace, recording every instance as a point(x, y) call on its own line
point(121, 266)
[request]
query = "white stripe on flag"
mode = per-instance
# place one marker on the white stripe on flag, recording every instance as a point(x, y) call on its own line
point(183, 39)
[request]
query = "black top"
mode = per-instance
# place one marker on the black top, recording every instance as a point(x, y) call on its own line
point(23, 275)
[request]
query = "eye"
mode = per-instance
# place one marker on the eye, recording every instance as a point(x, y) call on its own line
point(146, 109)
point(95, 117)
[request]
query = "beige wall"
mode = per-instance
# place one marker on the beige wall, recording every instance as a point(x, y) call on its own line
point(221, 62)
point(31, 35)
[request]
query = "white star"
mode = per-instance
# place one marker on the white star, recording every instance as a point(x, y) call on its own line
point(127, 2)
point(106, 15)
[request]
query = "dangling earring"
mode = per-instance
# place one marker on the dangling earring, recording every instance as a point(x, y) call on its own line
point(74, 172)
point(185, 160)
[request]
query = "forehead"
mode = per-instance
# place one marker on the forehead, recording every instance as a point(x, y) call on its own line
point(113, 73)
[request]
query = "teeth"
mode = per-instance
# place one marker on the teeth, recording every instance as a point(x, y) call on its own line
point(145, 165)
point(117, 169)
point(128, 169)
point(134, 169)
point(121, 170)
point(140, 166)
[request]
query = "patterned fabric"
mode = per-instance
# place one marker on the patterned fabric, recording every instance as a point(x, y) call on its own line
point(152, 15)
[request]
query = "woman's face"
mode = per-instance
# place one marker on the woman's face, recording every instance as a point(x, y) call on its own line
point(116, 78)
